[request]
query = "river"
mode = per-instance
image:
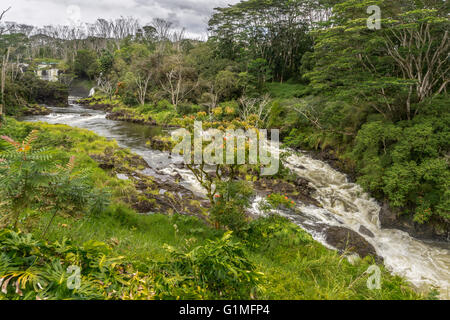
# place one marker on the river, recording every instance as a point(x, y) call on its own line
point(424, 264)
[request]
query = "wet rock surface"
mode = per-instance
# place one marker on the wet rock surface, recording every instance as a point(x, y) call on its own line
point(328, 155)
point(94, 104)
point(389, 218)
point(119, 115)
point(122, 164)
point(123, 115)
point(363, 230)
point(341, 238)
point(160, 143)
point(346, 240)
point(36, 110)
point(152, 195)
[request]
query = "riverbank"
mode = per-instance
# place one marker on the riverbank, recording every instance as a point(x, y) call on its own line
point(271, 245)
point(119, 112)
point(340, 198)
point(404, 254)
point(162, 192)
point(390, 218)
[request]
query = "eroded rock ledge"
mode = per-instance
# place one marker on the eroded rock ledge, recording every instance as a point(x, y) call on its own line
point(152, 195)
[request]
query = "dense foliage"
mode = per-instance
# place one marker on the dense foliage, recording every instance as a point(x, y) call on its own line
point(232, 199)
point(369, 96)
point(33, 270)
point(375, 101)
point(124, 255)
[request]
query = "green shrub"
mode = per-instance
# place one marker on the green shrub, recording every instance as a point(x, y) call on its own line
point(31, 177)
point(218, 269)
point(187, 109)
point(146, 109)
point(33, 270)
point(164, 105)
point(231, 201)
point(164, 117)
point(286, 90)
point(279, 201)
point(265, 234)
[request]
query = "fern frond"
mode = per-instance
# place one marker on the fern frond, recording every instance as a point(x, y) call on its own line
point(71, 165)
point(31, 138)
point(10, 141)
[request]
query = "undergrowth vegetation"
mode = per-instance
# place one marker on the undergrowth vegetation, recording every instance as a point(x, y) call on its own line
point(115, 253)
point(374, 103)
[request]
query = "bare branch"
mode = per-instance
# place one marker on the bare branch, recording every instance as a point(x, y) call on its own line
point(4, 12)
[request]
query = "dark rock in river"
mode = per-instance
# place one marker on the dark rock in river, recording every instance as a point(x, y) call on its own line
point(345, 239)
point(122, 164)
point(36, 110)
point(123, 115)
point(366, 232)
point(160, 143)
point(148, 197)
point(304, 185)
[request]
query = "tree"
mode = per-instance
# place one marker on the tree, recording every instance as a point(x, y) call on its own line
point(66, 78)
point(276, 31)
point(107, 84)
point(418, 42)
point(149, 33)
point(178, 80)
point(259, 73)
point(162, 28)
point(4, 28)
point(86, 65)
point(221, 87)
point(23, 172)
point(259, 107)
point(30, 176)
point(123, 28)
point(231, 203)
point(177, 39)
point(106, 62)
point(4, 67)
point(389, 69)
point(144, 67)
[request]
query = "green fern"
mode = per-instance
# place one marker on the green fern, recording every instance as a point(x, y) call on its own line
point(31, 177)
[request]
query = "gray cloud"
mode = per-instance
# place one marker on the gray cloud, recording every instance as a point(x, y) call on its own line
point(191, 14)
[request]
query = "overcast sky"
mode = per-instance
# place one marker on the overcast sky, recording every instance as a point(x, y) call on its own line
point(191, 14)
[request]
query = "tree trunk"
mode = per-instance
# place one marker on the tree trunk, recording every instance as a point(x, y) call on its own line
point(3, 81)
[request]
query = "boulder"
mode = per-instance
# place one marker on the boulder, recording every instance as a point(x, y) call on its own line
point(366, 232)
point(345, 239)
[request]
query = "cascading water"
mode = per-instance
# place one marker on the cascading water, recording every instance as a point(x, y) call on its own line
point(343, 203)
point(346, 203)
